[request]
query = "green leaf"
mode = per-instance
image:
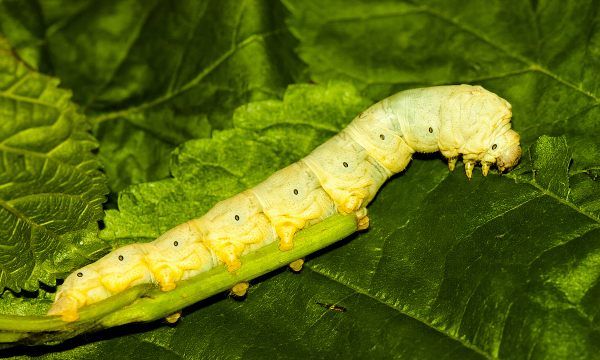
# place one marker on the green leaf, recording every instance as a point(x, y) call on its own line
point(445, 41)
point(213, 56)
point(23, 23)
point(550, 158)
point(498, 267)
point(51, 191)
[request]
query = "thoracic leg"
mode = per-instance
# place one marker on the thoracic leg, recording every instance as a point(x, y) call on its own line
point(469, 166)
point(452, 163)
point(485, 168)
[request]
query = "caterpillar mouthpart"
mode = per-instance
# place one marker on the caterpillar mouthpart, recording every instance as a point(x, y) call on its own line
point(511, 154)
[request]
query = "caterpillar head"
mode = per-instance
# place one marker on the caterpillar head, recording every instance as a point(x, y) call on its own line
point(486, 129)
point(506, 150)
point(78, 290)
point(503, 149)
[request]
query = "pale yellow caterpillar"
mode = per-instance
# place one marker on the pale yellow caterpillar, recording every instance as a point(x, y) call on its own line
point(342, 175)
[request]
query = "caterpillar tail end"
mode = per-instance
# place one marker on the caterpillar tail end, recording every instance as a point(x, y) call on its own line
point(66, 307)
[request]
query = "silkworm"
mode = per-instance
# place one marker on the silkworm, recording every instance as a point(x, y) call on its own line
point(340, 176)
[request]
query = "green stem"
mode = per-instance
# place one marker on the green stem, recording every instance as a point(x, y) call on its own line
point(146, 303)
point(159, 304)
point(11, 337)
point(38, 323)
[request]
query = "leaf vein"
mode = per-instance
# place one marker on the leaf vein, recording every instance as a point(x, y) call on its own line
point(192, 83)
point(400, 310)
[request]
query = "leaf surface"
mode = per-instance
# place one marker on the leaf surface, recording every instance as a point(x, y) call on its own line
point(214, 56)
point(498, 267)
point(51, 191)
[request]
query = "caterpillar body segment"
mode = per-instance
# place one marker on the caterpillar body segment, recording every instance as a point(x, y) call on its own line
point(80, 288)
point(418, 113)
point(235, 226)
point(293, 198)
point(113, 273)
point(347, 172)
point(124, 268)
point(342, 175)
point(384, 145)
point(178, 254)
